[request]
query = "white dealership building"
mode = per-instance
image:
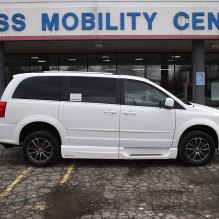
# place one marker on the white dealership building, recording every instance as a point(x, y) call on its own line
point(173, 43)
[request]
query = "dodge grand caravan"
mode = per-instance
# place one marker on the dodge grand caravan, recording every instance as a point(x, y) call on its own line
point(103, 116)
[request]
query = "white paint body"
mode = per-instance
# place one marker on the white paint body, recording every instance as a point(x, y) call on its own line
point(106, 131)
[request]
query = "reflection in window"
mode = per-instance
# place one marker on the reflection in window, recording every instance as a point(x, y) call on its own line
point(16, 64)
point(160, 69)
point(102, 63)
point(131, 64)
point(171, 71)
point(212, 80)
point(43, 63)
point(183, 86)
point(73, 62)
point(183, 77)
point(141, 94)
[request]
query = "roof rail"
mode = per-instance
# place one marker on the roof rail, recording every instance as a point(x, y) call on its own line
point(81, 72)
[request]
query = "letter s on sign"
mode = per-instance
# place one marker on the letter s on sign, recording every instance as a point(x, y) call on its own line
point(3, 22)
point(19, 24)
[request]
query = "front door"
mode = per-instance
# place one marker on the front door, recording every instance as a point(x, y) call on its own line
point(145, 128)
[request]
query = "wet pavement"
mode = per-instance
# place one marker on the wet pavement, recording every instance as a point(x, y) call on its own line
point(107, 189)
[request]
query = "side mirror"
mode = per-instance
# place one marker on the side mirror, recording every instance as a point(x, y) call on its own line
point(169, 103)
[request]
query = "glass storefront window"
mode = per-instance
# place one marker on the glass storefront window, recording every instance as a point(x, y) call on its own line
point(73, 62)
point(183, 77)
point(160, 69)
point(43, 63)
point(173, 72)
point(212, 80)
point(131, 64)
point(15, 64)
point(102, 63)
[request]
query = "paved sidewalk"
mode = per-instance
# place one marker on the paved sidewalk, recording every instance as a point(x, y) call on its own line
point(107, 189)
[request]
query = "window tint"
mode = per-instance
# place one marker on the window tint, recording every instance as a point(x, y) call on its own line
point(43, 88)
point(94, 90)
point(142, 94)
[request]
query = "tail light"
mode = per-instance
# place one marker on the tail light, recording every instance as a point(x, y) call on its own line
point(2, 109)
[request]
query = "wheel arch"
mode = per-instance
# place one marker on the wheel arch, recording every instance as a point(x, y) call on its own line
point(36, 126)
point(204, 128)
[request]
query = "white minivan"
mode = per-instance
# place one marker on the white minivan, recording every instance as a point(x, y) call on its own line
point(103, 116)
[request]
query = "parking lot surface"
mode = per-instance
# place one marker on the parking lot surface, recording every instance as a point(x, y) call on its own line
point(107, 189)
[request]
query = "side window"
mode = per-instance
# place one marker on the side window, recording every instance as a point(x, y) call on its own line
point(142, 94)
point(93, 90)
point(42, 88)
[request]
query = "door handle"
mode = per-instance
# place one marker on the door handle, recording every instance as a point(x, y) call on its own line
point(129, 112)
point(110, 111)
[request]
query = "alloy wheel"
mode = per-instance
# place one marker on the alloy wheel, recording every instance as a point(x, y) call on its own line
point(39, 150)
point(198, 149)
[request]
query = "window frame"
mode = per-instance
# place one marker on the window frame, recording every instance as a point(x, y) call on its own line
point(144, 83)
point(39, 99)
point(122, 91)
point(67, 88)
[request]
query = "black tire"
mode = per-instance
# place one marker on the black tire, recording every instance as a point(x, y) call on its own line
point(41, 149)
point(196, 148)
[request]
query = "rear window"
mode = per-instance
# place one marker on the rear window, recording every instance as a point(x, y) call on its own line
point(42, 88)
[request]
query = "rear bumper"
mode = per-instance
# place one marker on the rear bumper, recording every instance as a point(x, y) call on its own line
point(8, 134)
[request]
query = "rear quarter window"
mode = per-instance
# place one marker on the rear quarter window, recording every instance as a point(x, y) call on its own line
point(42, 88)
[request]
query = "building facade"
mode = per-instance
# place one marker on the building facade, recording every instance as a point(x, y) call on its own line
point(173, 43)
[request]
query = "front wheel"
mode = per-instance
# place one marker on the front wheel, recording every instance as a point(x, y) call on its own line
point(41, 149)
point(196, 148)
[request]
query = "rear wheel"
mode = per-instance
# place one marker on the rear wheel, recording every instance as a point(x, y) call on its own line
point(196, 148)
point(41, 148)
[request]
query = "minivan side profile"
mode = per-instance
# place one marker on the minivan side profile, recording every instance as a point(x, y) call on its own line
point(103, 116)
